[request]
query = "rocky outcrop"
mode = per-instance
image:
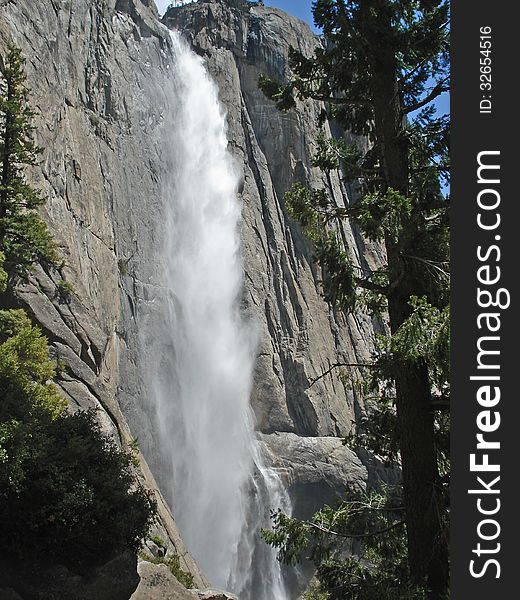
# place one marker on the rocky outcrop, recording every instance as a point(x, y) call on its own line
point(157, 583)
point(315, 470)
point(211, 594)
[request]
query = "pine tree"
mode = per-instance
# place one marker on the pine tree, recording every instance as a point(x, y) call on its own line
point(381, 65)
point(24, 237)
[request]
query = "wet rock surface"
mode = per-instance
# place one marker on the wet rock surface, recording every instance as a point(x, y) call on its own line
point(316, 470)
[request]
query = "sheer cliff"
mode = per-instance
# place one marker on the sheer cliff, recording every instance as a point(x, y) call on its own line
point(101, 78)
point(300, 336)
point(98, 73)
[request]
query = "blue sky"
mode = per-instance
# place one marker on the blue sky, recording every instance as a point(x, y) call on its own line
point(299, 8)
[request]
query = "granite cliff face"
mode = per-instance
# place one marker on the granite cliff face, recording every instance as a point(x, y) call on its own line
point(300, 336)
point(101, 79)
point(99, 74)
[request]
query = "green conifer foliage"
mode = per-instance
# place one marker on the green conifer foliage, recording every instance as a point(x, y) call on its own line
point(379, 68)
point(24, 236)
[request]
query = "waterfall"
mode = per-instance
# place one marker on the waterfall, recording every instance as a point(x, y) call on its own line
point(221, 490)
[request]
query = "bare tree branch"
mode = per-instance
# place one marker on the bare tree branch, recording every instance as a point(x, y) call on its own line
point(442, 86)
point(354, 535)
point(339, 365)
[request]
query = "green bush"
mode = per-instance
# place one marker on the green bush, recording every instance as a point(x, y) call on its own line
point(25, 372)
point(122, 264)
point(158, 541)
point(67, 493)
point(65, 289)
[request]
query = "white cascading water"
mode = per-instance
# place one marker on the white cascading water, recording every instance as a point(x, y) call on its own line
point(221, 489)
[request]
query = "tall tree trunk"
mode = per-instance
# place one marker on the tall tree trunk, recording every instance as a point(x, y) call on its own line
point(427, 545)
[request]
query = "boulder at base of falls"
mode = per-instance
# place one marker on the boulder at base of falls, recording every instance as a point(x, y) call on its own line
point(319, 470)
point(158, 583)
point(315, 470)
point(215, 595)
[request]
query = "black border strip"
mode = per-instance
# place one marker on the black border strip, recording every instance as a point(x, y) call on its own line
point(473, 132)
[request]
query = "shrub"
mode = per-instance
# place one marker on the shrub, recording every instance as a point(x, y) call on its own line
point(67, 492)
point(76, 500)
point(122, 264)
point(65, 289)
point(158, 541)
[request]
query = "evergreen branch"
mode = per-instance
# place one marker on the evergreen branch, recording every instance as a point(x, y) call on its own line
point(372, 287)
point(363, 506)
point(414, 70)
point(430, 263)
point(364, 269)
point(342, 101)
point(432, 34)
point(434, 166)
point(435, 268)
point(436, 91)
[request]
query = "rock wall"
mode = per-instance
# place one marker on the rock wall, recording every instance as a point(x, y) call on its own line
point(300, 336)
point(100, 74)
